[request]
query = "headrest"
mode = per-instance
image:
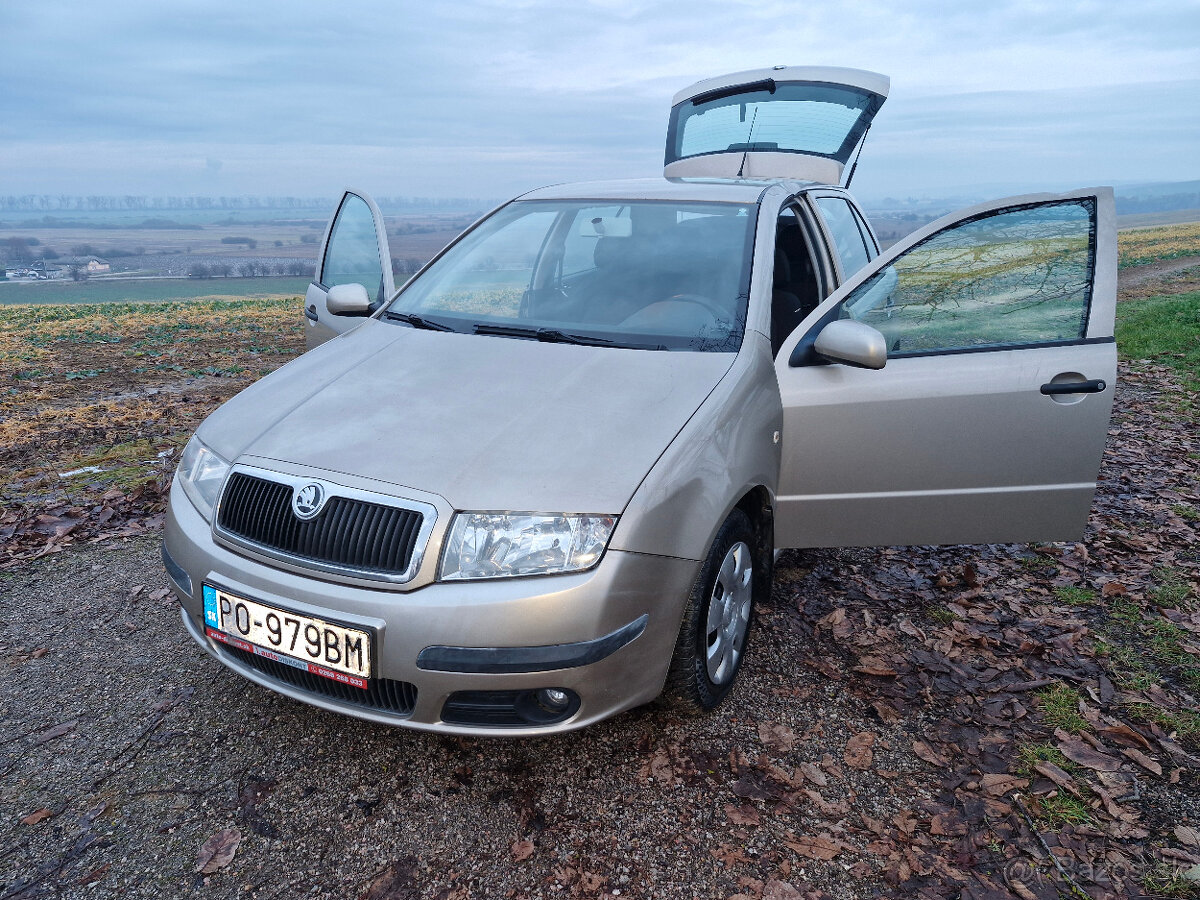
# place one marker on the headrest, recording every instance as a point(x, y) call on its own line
point(610, 251)
point(783, 268)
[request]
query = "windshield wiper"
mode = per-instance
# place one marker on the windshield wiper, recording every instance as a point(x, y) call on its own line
point(417, 321)
point(550, 335)
point(554, 336)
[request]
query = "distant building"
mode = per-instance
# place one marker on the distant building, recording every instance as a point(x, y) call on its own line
point(95, 265)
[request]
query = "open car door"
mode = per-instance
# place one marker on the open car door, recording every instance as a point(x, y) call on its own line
point(988, 421)
point(355, 251)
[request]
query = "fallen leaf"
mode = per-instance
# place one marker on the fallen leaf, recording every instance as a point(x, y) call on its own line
point(1124, 734)
point(1146, 762)
point(927, 753)
point(780, 890)
point(729, 855)
point(56, 732)
point(397, 882)
point(1079, 752)
point(34, 817)
point(873, 665)
point(522, 850)
point(1055, 774)
point(590, 882)
point(949, 823)
point(814, 774)
point(39, 653)
point(996, 785)
point(217, 852)
point(1185, 834)
point(96, 874)
point(750, 789)
point(776, 737)
point(814, 847)
point(858, 753)
point(742, 815)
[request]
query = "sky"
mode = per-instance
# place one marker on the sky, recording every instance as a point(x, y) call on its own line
point(488, 98)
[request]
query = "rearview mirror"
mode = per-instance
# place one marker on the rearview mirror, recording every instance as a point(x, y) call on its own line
point(852, 343)
point(347, 299)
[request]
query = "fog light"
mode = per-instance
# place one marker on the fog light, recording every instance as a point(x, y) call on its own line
point(553, 699)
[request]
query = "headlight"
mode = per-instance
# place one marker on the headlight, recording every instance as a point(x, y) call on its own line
point(201, 472)
point(495, 545)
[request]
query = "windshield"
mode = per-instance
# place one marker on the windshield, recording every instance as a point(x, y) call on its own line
point(649, 274)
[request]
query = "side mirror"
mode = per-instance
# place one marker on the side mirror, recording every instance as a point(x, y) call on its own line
point(347, 300)
point(852, 343)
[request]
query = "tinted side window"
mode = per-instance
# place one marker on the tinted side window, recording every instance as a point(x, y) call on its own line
point(847, 239)
point(1014, 277)
point(352, 256)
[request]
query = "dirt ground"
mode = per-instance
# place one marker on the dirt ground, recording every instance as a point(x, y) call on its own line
point(974, 722)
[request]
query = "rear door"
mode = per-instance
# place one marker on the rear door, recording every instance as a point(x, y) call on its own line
point(988, 421)
point(846, 231)
point(355, 251)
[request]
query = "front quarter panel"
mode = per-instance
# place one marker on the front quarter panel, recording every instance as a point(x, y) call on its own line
point(727, 448)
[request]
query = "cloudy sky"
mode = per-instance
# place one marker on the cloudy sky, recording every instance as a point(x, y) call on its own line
point(486, 98)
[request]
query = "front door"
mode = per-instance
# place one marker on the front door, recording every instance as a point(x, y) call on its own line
point(355, 251)
point(988, 421)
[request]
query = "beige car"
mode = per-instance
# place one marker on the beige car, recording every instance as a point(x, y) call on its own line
point(544, 481)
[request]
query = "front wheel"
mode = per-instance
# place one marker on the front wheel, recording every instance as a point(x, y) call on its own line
point(712, 635)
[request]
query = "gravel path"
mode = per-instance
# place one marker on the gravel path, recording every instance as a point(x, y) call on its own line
point(158, 748)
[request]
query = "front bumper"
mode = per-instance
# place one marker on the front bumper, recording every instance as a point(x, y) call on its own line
point(606, 635)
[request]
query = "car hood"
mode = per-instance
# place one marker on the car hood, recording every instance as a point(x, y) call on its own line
point(489, 423)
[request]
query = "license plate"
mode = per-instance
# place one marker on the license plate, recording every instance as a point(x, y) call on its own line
point(304, 642)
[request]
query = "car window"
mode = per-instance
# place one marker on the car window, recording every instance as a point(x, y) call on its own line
point(848, 240)
point(818, 119)
point(579, 244)
point(352, 255)
point(641, 273)
point(1023, 276)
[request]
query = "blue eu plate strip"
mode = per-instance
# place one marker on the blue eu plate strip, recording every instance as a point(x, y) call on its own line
point(210, 606)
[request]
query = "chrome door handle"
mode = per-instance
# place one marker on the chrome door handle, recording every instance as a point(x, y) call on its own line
point(1074, 387)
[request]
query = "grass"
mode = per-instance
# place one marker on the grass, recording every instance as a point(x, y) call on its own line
point(1060, 708)
point(1185, 724)
point(1141, 246)
point(1075, 596)
point(1171, 588)
point(149, 290)
point(1063, 809)
point(1163, 329)
point(1030, 755)
point(942, 615)
point(114, 385)
point(1165, 880)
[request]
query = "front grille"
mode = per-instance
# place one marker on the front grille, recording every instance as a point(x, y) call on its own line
point(353, 534)
point(383, 694)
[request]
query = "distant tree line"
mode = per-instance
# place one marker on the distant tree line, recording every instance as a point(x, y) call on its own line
point(251, 268)
point(103, 203)
point(1127, 205)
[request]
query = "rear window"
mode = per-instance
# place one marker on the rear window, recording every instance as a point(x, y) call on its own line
point(800, 117)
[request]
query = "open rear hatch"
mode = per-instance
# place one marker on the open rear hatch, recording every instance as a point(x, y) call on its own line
point(798, 122)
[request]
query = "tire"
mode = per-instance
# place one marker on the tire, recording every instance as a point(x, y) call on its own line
point(717, 618)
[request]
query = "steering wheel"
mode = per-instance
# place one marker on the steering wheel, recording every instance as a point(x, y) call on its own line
point(699, 300)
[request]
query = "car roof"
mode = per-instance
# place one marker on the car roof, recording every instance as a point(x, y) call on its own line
point(720, 190)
